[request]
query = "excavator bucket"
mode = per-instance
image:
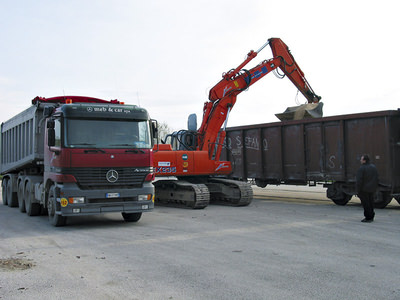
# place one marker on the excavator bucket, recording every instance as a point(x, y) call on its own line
point(304, 111)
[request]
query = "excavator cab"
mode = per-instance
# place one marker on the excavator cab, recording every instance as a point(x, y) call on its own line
point(184, 139)
point(300, 112)
point(181, 140)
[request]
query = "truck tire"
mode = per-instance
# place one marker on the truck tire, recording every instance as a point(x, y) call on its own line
point(131, 217)
point(4, 190)
point(21, 201)
point(52, 207)
point(12, 199)
point(31, 209)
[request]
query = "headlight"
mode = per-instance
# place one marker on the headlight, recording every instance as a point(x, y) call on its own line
point(76, 200)
point(144, 197)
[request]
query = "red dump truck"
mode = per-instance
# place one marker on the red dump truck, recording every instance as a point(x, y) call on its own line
point(73, 156)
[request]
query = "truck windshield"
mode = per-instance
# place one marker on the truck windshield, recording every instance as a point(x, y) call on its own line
point(107, 134)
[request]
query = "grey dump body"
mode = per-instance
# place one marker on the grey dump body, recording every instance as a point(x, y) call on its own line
point(22, 140)
point(325, 150)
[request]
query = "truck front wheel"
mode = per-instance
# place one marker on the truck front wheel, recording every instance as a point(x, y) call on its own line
point(31, 208)
point(131, 217)
point(21, 201)
point(4, 190)
point(52, 205)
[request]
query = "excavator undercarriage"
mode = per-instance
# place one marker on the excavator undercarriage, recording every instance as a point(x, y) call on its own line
point(181, 193)
point(199, 192)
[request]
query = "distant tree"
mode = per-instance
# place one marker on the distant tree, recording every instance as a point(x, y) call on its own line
point(163, 130)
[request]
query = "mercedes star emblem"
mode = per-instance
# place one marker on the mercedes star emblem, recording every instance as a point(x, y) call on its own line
point(112, 176)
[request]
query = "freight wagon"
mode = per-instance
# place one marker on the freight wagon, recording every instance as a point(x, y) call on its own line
point(320, 151)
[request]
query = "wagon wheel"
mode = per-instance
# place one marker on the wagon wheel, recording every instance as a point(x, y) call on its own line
point(336, 194)
point(343, 200)
point(382, 199)
point(261, 183)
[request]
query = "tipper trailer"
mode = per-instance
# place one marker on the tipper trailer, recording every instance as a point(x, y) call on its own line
point(72, 155)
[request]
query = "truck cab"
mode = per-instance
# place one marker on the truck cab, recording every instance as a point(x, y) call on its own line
point(96, 158)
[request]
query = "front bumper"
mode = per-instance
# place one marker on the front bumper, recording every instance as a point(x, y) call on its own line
point(102, 201)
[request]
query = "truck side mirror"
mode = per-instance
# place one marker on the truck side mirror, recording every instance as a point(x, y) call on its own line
point(51, 137)
point(47, 111)
point(51, 133)
point(154, 129)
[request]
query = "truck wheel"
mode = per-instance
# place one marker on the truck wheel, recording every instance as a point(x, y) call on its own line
point(12, 199)
point(21, 201)
point(52, 205)
point(4, 190)
point(131, 217)
point(32, 209)
point(382, 199)
point(43, 211)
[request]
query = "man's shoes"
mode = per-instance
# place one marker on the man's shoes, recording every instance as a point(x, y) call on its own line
point(367, 220)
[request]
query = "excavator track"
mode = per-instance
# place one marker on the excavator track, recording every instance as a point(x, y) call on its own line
point(181, 193)
point(230, 192)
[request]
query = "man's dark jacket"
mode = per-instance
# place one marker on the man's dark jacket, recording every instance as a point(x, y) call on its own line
point(367, 178)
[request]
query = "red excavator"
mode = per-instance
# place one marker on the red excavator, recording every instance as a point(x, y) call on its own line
point(189, 160)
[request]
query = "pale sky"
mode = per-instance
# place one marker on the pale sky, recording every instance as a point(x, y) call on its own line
point(165, 55)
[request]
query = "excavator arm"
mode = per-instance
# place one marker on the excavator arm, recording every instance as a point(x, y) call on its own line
point(291, 69)
point(223, 95)
point(237, 80)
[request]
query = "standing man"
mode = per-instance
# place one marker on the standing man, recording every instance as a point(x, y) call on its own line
point(367, 183)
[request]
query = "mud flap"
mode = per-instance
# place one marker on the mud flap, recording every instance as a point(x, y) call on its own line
point(304, 111)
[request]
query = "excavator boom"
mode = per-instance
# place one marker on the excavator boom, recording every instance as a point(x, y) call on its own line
point(223, 95)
